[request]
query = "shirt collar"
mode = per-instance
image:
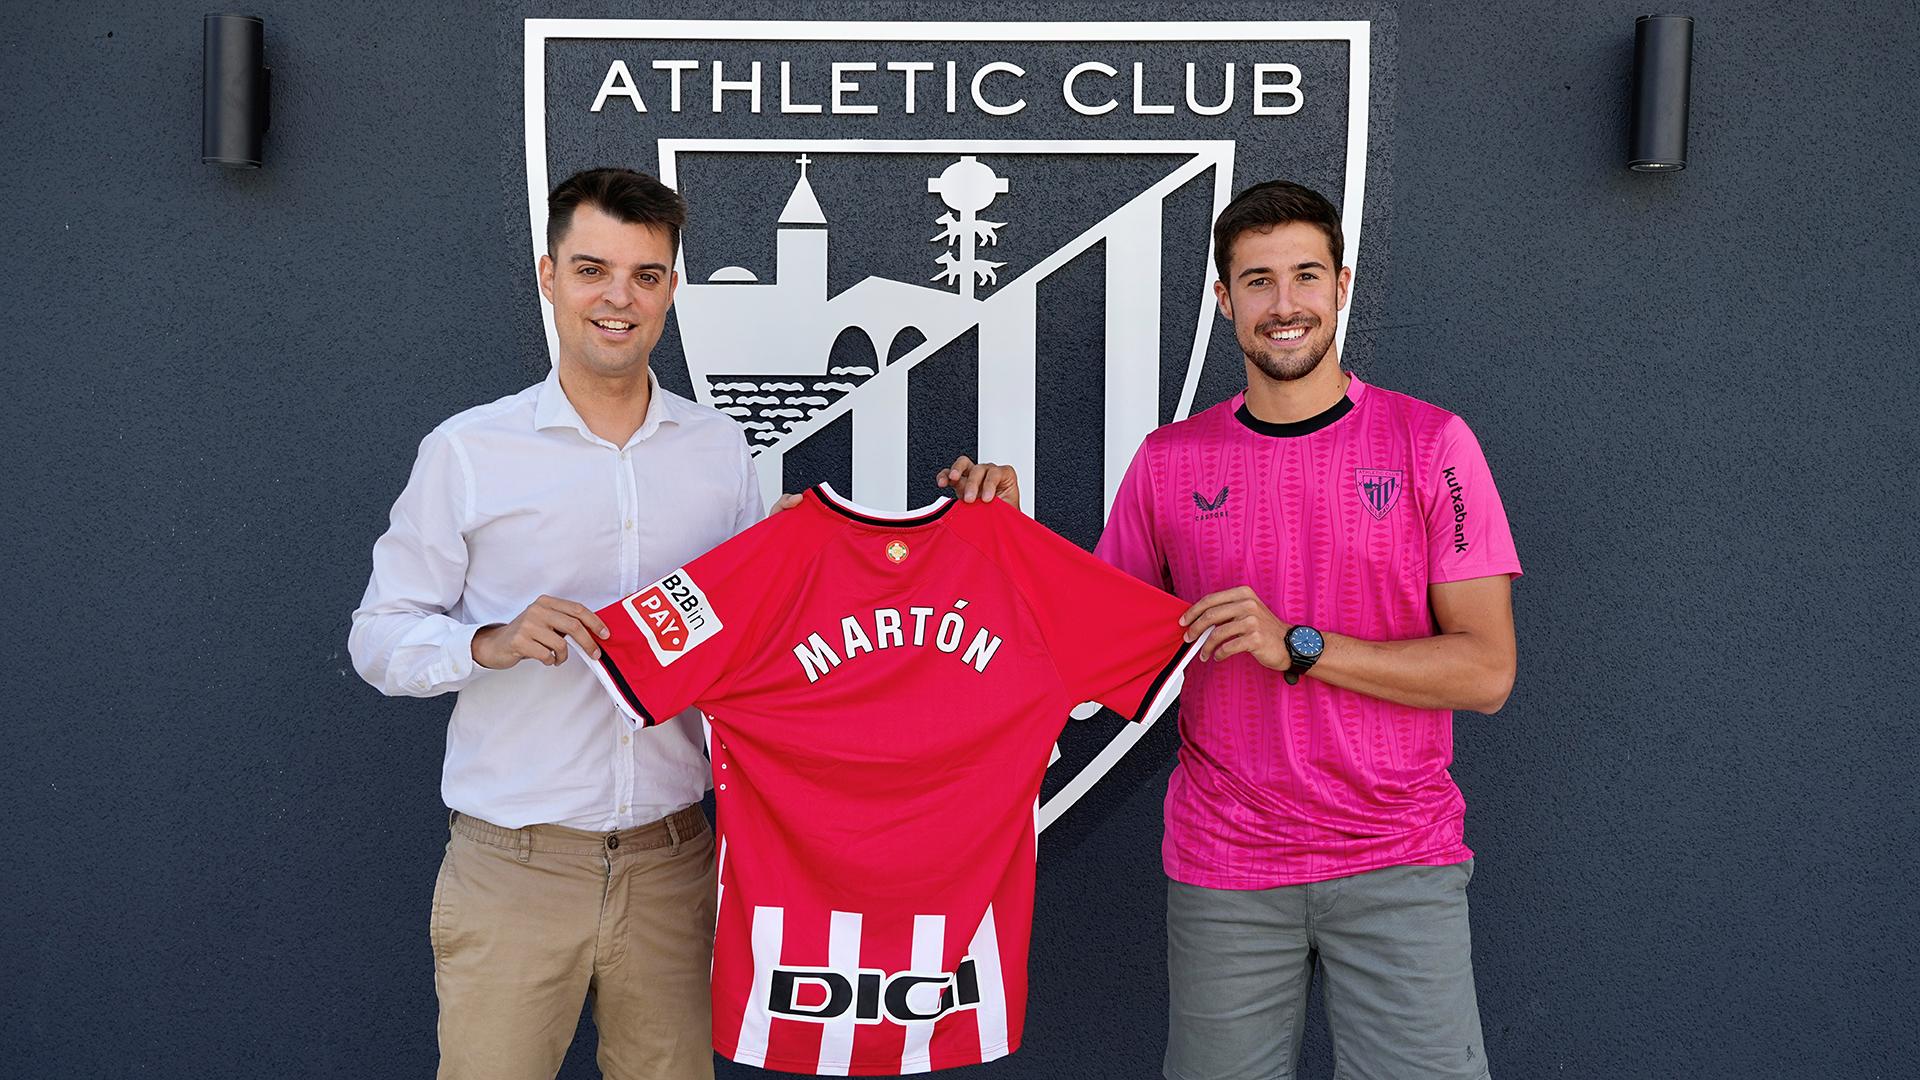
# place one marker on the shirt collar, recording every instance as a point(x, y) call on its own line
point(554, 409)
point(1327, 418)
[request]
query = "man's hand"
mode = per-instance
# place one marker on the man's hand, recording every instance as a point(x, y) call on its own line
point(980, 481)
point(785, 502)
point(540, 633)
point(1241, 624)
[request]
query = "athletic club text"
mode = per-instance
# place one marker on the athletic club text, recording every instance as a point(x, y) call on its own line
point(999, 88)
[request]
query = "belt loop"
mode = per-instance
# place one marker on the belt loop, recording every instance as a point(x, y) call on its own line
point(525, 843)
point(673, 835)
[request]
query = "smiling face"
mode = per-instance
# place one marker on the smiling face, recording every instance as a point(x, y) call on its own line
point(1284, 296)
point(610, 284)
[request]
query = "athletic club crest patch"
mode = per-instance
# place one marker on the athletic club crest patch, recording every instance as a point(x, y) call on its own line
point(1379, 489)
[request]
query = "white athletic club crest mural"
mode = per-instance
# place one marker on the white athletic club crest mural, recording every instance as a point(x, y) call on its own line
point(911, 240)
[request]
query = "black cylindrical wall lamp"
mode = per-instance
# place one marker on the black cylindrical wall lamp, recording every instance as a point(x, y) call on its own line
point(1662, 78)
point(233, 116)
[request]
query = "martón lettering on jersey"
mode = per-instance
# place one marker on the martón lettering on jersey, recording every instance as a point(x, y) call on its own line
point(891, 630)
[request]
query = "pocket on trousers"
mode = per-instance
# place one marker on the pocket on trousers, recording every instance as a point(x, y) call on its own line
point(437, 919)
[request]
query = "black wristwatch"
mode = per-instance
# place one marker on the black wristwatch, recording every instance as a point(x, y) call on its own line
point(1304, 646)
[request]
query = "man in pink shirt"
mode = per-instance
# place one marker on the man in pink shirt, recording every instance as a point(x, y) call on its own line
point(1347, 547)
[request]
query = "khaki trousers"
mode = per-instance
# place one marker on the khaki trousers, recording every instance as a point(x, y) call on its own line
point(527, 923)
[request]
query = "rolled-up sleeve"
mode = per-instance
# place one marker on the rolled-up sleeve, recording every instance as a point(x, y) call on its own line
point(403, 640)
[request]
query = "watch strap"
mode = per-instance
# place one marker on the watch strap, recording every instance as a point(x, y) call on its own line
point(1300, 663)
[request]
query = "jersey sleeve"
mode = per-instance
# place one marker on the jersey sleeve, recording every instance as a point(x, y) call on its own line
point(1113, 639)
point(675, 642)
point(1467, 531)
point(1130, 543)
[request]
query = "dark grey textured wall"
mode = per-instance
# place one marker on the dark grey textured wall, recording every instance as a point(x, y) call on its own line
point(1695, 818)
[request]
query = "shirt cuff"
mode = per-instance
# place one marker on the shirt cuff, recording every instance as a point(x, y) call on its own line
point(457, 665)
point(453, 668)
point(624, 699)
point(1498, 568)
point(1165, 688)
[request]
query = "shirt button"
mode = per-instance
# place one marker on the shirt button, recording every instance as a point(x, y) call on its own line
point(625, 739)
point(723, 764)
point(629, 524)
point(623, 808)
point(723, 787)
point(623, 455)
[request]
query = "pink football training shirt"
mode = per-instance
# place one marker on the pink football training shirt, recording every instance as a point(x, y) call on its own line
point(1340, 522)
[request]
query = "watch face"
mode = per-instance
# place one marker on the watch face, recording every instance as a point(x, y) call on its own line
point(1305, 641)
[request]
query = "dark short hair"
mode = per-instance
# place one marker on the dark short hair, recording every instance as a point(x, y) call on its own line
point(632, 197)
point(1265, 207)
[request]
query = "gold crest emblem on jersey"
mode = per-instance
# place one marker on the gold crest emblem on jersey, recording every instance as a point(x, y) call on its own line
point(897, 551)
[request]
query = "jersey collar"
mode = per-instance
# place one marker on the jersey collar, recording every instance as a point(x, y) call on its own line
point(884, 519)
point(1311, 424)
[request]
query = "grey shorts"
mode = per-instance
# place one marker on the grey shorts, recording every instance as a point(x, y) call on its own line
point(1396, 967)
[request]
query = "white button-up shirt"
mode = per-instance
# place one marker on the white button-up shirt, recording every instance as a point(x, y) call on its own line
point(514, 499)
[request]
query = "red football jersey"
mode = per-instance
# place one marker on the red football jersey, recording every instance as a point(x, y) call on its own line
point(884, 690)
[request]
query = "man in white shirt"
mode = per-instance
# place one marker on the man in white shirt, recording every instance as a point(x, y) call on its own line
point(579, 860)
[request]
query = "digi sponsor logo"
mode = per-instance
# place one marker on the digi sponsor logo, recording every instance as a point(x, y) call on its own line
point(1459, 498)
point(820, 995)
point(673, 615)
point(1379, 489)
